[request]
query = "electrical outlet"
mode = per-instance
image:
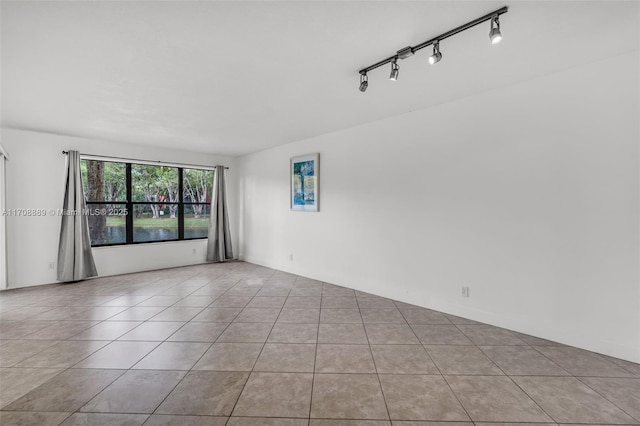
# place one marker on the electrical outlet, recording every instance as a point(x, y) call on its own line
point(194, 251)
point(52, 265)
point(465, 291)
point(291, 257)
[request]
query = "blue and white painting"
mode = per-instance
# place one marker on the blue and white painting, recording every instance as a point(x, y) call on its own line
point(304, 183)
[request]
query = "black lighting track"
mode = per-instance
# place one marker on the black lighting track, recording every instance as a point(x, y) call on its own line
point(411, 50)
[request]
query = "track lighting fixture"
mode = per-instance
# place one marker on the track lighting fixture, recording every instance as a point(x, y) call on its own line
point(495, 35)
point(364, 82)
point(435, 58)
point(395, 70)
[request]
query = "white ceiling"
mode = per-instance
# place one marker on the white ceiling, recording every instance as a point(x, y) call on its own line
point(237, 77)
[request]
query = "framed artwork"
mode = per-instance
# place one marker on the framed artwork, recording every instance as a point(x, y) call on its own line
point(305, 177)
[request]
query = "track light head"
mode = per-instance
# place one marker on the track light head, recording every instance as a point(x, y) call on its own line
point(495, 35)
point(364, 82)
point(395, 70)
point(435, 58)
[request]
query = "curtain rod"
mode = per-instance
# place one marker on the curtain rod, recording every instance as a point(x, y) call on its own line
point(151, 162)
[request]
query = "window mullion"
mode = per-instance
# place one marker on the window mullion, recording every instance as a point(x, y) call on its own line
point(181, 212)
point(129, 221)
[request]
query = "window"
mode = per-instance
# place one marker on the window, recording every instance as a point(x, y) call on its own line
point(196, 196)
point(131, 203)
point(155, 203)
point(105, 190)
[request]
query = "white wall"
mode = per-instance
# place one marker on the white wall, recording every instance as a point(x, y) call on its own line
point(35, 180)
point(528, 194)
point(3, 222)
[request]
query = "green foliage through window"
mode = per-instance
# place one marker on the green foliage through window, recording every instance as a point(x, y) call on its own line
point(132, 203)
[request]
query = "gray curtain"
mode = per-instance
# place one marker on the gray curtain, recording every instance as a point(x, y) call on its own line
point(219, 242)
point(75, 260)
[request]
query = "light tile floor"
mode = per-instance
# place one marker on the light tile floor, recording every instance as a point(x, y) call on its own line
point(238, 344)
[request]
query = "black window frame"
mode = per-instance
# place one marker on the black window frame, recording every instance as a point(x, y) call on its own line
point(129, 204)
